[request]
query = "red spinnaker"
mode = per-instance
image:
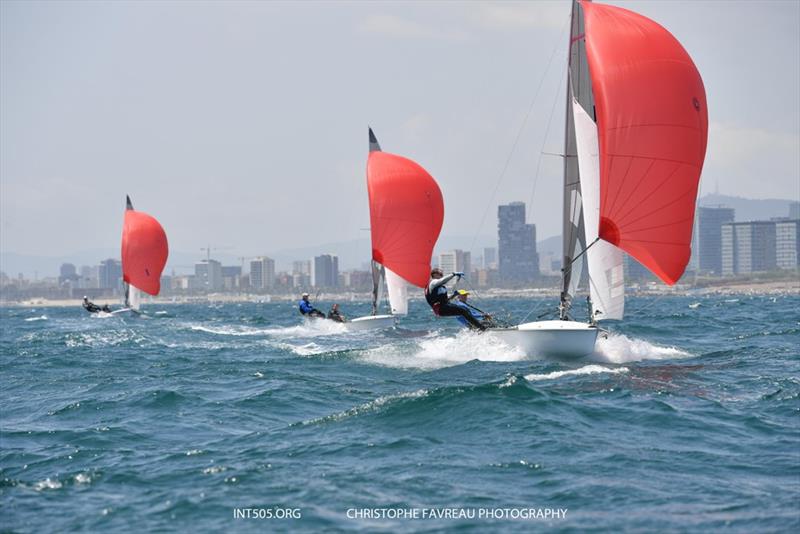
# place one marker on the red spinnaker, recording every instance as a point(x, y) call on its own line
point(406, 215)
point(144, 251)
point(652, 124)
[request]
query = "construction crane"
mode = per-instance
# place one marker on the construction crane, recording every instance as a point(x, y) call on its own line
point(209, 248)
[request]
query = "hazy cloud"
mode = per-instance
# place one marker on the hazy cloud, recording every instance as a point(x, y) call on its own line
point(397, 26)
point(771, 160)
point(518, 15)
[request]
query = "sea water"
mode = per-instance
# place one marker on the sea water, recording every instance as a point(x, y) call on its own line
point(243, 417)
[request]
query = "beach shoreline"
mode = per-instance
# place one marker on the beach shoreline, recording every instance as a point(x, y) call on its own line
point(770, 287)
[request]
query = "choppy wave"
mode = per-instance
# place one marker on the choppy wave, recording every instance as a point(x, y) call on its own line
point(205, 398)
point(32, 319)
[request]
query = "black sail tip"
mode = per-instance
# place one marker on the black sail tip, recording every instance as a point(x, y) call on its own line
point(373, 142)
point(128, 203)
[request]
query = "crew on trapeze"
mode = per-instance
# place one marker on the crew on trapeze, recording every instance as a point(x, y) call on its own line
point(307, 309)
point(91, 307)
point(439, 300)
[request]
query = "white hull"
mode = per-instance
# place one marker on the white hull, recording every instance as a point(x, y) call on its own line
point(372, 322)
point(127, 312)
point(550, 339)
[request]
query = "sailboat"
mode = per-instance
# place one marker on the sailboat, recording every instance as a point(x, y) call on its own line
point(636, 134)
point(144, 255)
point(406, 215)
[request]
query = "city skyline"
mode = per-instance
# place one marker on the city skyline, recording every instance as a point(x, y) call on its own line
point(250, 148)
point(182, 262)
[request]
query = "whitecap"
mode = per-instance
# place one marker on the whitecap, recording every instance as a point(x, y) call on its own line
point(47, 484)
point(369, 406)
point(83, 478)
point(439, 351)
point(586, 370)
point(40, 318)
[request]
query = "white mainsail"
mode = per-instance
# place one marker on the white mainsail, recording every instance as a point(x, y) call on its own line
point(606, 278)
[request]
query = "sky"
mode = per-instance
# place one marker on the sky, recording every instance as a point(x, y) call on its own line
point(243, 125)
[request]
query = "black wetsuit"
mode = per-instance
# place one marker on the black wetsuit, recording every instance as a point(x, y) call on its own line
point(335, 316)
point(436, 296)
point(91, 307)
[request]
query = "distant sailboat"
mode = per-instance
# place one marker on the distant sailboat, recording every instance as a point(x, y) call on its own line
point(636, 132)
point(406, 216)
point(144, 255)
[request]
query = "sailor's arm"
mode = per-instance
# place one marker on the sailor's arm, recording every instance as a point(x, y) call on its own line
point(440, 282)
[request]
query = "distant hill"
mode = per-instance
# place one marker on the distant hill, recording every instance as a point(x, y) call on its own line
point(748, 209)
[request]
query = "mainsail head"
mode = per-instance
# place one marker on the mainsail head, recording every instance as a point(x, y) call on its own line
point(144, 250)
point(406, 214)
point(652, 125)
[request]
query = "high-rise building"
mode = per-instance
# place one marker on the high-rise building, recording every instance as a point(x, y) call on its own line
point(709, 237)
point(519, 261)
point(109, 274)
point(787, 244)
point(208, 275)
point(325, 271)
point(301, 267)
point(67, 273)
point(490, 258)
point(635, 271)
point(89, 277)
point(748, 247)
point(231, 276)
point(455, 261)
point(262, 273)
point(794, 210)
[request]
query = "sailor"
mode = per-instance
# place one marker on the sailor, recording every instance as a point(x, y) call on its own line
point(439, 301)
point(90, 306)
point(335, 314)
point(461, 300)
point(307, 309)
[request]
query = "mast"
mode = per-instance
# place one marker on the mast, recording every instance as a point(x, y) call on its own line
point(126, 288)
point(378, 271)
point(580, 86)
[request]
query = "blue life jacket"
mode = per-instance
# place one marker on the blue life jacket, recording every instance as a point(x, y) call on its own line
point(305, 307)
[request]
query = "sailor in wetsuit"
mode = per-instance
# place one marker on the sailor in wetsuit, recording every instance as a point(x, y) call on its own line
point(307, 309)
point(336, 315)
point(91, 307)
point(439, 301)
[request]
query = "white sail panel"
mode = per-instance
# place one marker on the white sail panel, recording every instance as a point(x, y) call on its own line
point(134, 298)
point(606, 278)
point(398, 293)
point(575, 268)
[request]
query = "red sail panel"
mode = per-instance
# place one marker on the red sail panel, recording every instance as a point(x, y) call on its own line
point(144, 251)
point(406, 215)
point(652, 124)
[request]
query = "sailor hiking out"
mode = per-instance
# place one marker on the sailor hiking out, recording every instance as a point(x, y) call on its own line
point(91, 307)
point(439, 301)
point(307, 309)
